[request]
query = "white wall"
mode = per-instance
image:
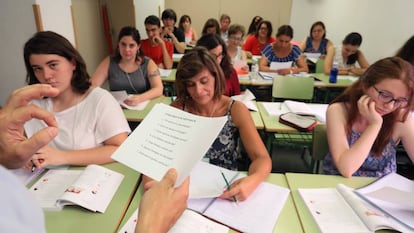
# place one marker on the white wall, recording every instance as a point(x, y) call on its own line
point(16, 25)
point(384, 25)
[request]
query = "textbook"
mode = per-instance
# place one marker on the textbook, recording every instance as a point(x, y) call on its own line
point(278, 108)
point(341, 210)
point(168, 138)
point(189, 222)
point(92, 188)
point(259, 213)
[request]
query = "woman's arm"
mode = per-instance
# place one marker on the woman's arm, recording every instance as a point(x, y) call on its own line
point(101, 73)
point(405, 132)
point(97, 155)
point(194, 37)
point(261, 163)
point(363, 63)
point(349, 159)
point(156, 86)
point(302, 44)
point(330, 55)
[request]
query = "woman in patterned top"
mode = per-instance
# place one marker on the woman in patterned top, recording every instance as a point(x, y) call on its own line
point(282, 50)
point(367, 121)
point(200, 86)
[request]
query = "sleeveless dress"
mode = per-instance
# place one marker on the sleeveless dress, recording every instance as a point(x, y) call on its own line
point(373, 166)
point(135, 82)
point(322, 46)
point(224, 150)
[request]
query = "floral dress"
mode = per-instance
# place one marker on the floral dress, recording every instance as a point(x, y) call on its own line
point(373, 166)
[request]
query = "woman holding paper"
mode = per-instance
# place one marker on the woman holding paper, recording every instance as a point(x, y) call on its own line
point(91, 123)
point(368, 121)
point(200, 86)
point(316, 42)
point(218, 49)
point(237, 54)
point(129, 70)
point(277, 55)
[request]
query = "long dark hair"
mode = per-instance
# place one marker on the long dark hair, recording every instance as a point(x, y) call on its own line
point(355, 39)
point(211, 41)
point(387, 68)
point(48, 42)
point(134, 33)
point(406, 52)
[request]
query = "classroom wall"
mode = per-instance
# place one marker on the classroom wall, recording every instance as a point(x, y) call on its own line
point(241, 11)
point(384, 25)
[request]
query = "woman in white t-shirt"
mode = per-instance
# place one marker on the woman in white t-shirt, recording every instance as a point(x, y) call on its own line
point(91, 123)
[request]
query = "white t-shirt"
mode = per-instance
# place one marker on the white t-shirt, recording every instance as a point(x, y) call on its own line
point(21, 212)
point(86, 125)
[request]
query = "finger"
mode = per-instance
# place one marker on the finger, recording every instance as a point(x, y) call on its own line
point(37, 141)
point(24, 95)
point(170, 177)
point(26, 113)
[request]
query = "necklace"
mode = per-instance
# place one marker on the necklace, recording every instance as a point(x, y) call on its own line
point(214, 109)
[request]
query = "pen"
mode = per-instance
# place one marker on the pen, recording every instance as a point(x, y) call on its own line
point(33, 166)
point(228, 186)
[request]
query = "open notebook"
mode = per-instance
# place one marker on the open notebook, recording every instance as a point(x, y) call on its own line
point(300, 108)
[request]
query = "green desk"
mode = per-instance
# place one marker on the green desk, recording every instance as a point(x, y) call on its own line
point(139, 115)
point(343, 81)
point(297, 180)
point(76, 219)
point(288, 220)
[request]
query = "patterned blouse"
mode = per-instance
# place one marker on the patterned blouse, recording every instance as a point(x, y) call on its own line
point(373, 166)
point(224, 150)
point(272, 57)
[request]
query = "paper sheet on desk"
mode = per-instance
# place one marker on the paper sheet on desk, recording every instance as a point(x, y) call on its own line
point(348, 77)
point(164, 72)
point(313, 57)
point(280, 65)
point(246, 98)
point(278, 108)
point(120, 96)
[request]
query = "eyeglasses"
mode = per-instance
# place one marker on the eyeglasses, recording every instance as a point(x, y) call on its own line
point(263, 29)
point(387, 98)
point(217, 56)
point(235, 39)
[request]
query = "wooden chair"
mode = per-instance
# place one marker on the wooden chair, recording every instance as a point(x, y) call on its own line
point(296, 88)
point(320, 147)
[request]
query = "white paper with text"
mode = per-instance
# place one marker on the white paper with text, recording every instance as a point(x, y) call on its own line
point(168, 138)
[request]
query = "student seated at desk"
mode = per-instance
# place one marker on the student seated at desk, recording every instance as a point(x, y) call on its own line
point(129, 70)
point(346, 57)
point(189, 32)
point(160, 206)
point(200, 85)
point(368, 121)
point(283, 51)
point(91, 123)
point(218, 48)
point(211, 26)
point(154, 47)
point(255, 44)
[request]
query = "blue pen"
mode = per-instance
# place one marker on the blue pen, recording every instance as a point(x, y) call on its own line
point(228, 186)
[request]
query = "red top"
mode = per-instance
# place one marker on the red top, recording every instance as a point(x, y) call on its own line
point(155, 52)
point(232, 84)
point(253, 45)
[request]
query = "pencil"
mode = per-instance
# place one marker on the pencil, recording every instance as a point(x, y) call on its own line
point(228, 186)
point(33, 166)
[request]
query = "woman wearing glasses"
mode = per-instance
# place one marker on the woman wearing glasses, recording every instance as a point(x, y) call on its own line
point(254, 44)
point(368, 121)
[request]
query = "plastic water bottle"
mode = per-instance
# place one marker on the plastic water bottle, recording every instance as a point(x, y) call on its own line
point(333, 76)
point(254, 69)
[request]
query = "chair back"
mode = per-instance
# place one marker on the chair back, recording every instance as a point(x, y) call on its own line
point(288, 87)
point(320, 146)
point(320, 63)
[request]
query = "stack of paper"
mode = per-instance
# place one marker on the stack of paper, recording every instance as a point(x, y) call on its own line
point(301, 108)
point(121, 96)
point(247, 99)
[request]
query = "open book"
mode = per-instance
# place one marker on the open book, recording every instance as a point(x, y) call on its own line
point(394, 195)
point(258, 213)
point(277, 108)
point(189, 222)
point(168, 138)
point(92, 188)
point(121, 96)
point(340, 210)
